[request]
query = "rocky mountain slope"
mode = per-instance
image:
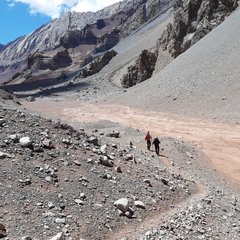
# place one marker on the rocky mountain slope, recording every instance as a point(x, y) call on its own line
point(83, 184)
point(83, 34)
point(202, 81)
point(192, 21)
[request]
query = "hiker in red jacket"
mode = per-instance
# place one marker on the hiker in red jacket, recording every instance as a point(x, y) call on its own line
point(148, 138)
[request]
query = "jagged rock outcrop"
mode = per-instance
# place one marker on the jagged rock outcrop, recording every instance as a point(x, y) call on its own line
point(192, 21)
point(141, 70)
point(144, 12)
point(39, 61)
point(83, 33)
point(97, 64)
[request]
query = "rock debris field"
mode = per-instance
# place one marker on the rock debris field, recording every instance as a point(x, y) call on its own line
point(60, 182)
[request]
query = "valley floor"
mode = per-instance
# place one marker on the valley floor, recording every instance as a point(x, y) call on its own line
point(213, 213)
point(219, 142)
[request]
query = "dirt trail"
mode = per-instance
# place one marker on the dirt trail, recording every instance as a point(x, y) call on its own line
point(220, 142)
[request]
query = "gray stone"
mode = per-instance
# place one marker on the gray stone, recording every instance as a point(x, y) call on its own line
point(2, 121)
point(60, 220)
point(122, 204)
point(30, 99)
point(25, 141)
point(50, 205)
point(118, 169)
point(59, 236)
point(93, 140)
point(2, 155)
point(147, 181)
point(47, 143)
point(26, 238)
point(139, 204)
point(114, 135)
point(77, 162)
point(106, 162)
point(49, 179)
point(14, 137)
point(79, 201)
point(103, 149)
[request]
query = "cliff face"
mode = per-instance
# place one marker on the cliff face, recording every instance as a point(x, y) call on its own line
point(141, 70)
point(192, 21)
point(83, 33)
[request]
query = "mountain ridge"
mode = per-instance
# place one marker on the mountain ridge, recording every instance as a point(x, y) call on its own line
point(47, 37)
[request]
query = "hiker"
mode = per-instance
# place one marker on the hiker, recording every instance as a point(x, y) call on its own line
point(148, 138)
point(156, 143)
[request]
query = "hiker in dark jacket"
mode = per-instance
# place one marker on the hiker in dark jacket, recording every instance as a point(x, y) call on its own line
point(156, 143)
point(148, 138)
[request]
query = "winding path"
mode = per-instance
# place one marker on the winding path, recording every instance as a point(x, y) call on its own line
point(220, 142)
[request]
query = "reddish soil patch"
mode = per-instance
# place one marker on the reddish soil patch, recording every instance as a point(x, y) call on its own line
point(220, 142)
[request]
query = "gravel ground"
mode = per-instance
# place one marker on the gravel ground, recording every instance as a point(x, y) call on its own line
point(54, 179)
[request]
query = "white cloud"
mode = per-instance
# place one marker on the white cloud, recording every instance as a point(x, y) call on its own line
point(54, 8)
point(92, 5)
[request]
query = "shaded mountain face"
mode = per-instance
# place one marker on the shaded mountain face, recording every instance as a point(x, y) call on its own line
point(82, 34)
point(1, 47)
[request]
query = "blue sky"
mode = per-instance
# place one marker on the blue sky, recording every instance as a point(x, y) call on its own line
point(21, 17)
point(17, 21)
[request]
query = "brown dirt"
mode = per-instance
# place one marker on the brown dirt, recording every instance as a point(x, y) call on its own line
point(220, 142)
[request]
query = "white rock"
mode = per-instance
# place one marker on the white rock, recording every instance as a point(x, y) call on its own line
point(25, 141)
point(129, 157)
point(122, 204)
point(51, 205)
point(2, 155)
point(77, 162)
point(2, 121)
point(139, 204)
point(60, 220)
point(48, 179)
point(82, 195)
point(48, 214)
point(104, 161)
point(59, 236)
point(13, 137)
point(26, 238)
point(103, 149)
point(79, 201)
